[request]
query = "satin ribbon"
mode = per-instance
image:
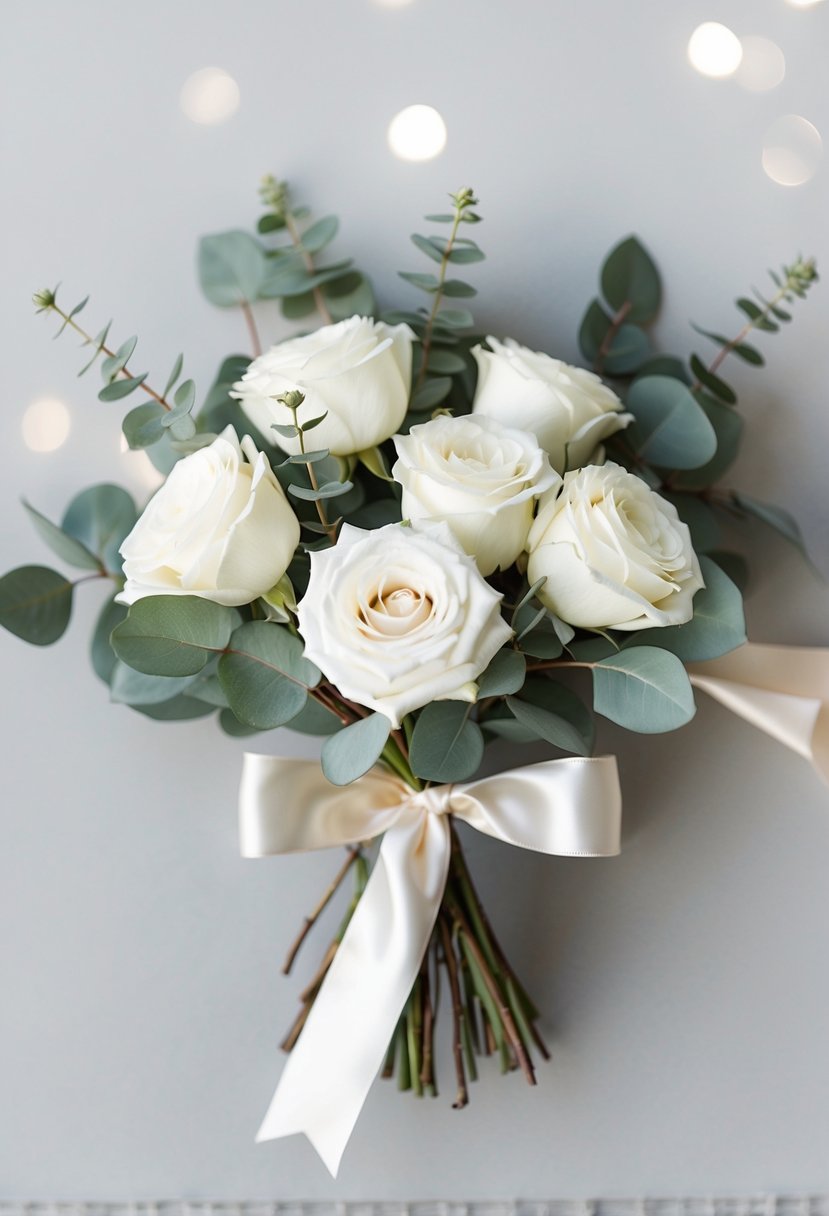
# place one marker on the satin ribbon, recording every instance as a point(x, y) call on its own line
point(782, 690)
point(567, 807)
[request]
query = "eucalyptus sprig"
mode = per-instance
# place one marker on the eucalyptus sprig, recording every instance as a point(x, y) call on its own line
point(145, 424)
point(438, 327)
point(316, 493)
point(793, 283)
point(335, 291)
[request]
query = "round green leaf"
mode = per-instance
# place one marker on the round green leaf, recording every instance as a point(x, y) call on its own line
point(232, 268)
point(131, 687)
point(504, 675)
point(670, 428)
point(446, 746)
point(63, 545)
point(643, 689)
point(265, 675)
point(100, 518)
point(353, 751)
point(172, 635)
point(35, 604)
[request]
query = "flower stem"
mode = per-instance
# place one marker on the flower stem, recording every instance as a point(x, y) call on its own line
point(253, 332)
point(309, 921)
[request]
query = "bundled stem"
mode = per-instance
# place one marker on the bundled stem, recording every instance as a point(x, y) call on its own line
point(491, 1012)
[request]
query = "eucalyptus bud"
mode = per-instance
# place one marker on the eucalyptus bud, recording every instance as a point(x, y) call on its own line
point(43, 299)
point(274, 195)
point(292, 400)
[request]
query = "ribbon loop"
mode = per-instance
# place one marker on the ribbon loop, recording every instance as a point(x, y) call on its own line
point(567, 807)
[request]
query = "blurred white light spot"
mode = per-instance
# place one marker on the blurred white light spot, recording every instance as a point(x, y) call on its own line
point(804, 3)
point(393, 3)
point(792, 149)
point(714, 50)
point(209, 96)
point(417, 133)
point(46, 425)
point(763, 64)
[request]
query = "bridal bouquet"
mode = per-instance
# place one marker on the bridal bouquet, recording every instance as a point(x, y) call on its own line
point(405, 537)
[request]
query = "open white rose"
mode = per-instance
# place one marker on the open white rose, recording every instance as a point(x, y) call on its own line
point(480, 478)
point(358, 372)
point(220, 528)
point(399, 617)
point(615, 555)
point(568, 409)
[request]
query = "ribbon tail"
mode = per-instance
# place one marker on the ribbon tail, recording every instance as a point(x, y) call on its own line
point(343, 1043)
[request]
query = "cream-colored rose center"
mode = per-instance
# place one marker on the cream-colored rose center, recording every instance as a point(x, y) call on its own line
point(394, 610)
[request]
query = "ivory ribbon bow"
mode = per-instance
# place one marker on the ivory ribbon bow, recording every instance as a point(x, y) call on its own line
point(568, 807)
point(782, 690)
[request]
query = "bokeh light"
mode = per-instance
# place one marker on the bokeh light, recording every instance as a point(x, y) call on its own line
point(46, 425)
point(763, 65)
point(792, 149)
point(714, 50)
point(804, 3)
point(417, 133)
point(210, 96)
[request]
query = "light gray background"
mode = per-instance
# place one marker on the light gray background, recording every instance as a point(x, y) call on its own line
point(685, 984)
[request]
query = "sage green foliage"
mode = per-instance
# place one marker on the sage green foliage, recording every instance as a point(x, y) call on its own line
point(612, 334)
point(265, 675)
point(172, 635)
point(444, 369)
point(644, 689)
point(353, 751)
point(35, 604)
point(446, 744)
point(178, 658)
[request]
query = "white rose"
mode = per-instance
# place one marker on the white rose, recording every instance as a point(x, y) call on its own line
point(398, 617)
point(220, 528)
point(480, 478)
point(358, 372)
point(615, 554)
point(568, 409)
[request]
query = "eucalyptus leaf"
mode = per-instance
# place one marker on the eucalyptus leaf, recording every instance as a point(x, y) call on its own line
point(100, 517)
point(457, 290)
point(144, 425)
point(644, 689)
point(172, 635)
point(35, 604)
point(265, 675)
point(774, 517)
point(728, 427)
point(315, 719)
point(670, 428)
point(351, 752)
point(712, 382)
point(431, 393)
point(629, 277)
point(320, 234)
point(131, 687)
point(232, 268)
point(445, 362)
point(446, 746)
point(505, 674)
point(119, 389)
point(61, 543)
point(629, 349)
point(548, 726)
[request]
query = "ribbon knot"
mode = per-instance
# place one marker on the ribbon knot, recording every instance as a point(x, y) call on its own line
point(567, 807)
point(436, 800)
